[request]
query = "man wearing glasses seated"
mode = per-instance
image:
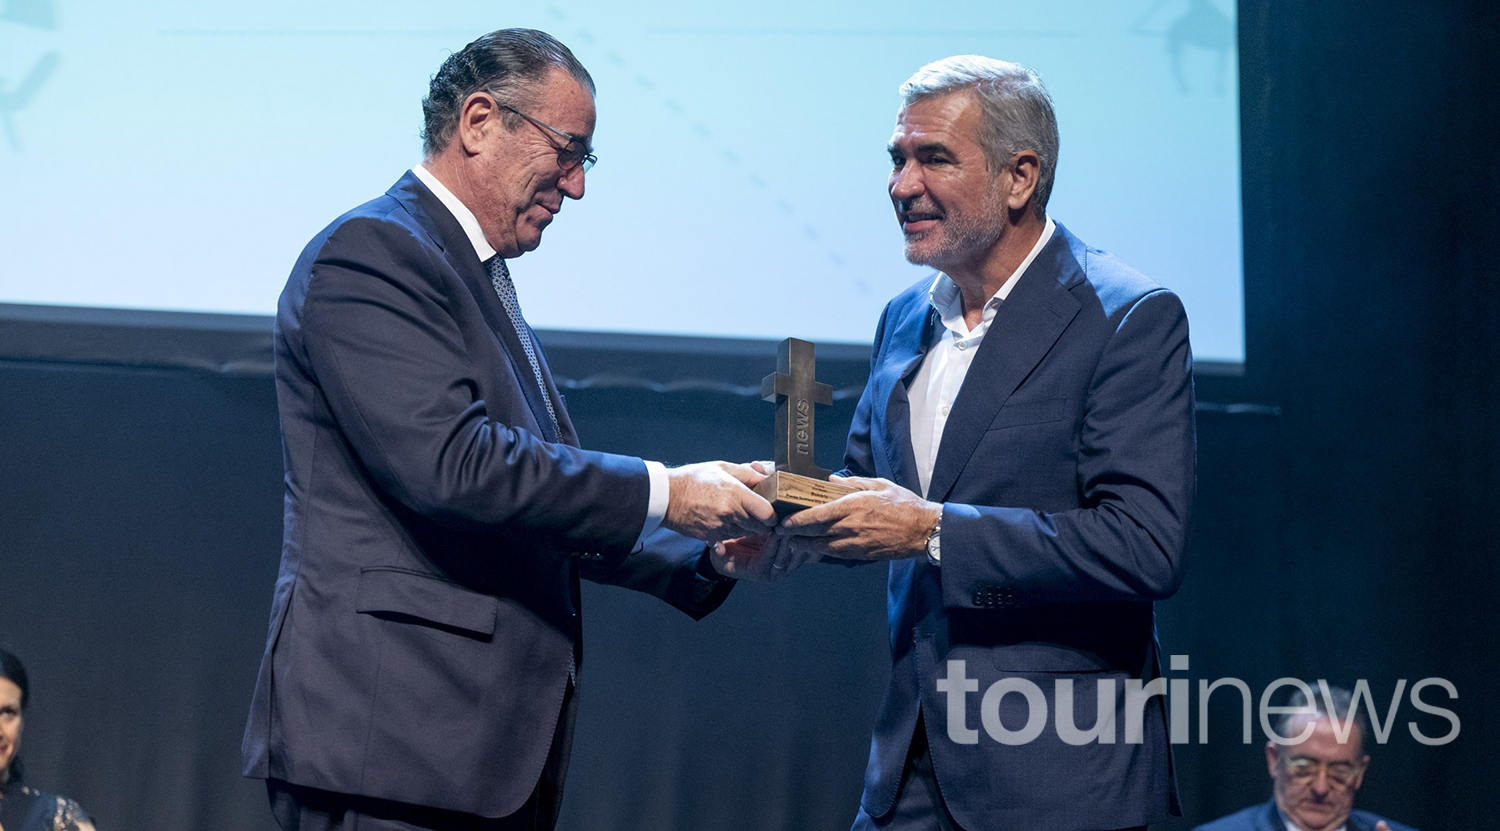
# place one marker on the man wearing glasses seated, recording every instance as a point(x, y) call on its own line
point(1314, 781)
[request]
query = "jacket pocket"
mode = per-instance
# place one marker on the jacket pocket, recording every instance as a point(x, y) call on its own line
point(397, 593)
point(1039, 411)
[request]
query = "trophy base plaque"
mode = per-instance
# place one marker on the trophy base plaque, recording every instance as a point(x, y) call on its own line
point(789, 493)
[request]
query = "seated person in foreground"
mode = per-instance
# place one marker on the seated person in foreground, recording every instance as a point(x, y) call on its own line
point(22, 807)
point(1314, 781)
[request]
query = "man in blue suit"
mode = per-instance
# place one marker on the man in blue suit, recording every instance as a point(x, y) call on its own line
point(1314, 773)
point(424, 640)
point(1025, 457)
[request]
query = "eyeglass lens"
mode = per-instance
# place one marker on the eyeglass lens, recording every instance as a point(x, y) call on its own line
point(1341, 773)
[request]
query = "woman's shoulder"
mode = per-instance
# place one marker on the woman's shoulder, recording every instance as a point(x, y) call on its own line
point(50, 812)
point(70, 816)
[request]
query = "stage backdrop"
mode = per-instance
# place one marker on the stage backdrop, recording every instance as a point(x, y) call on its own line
point(1346, 525)
point(742, 149)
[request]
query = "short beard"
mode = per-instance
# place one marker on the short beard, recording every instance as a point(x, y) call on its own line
point(968, 236)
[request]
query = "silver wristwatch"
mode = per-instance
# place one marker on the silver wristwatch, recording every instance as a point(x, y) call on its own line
point(935, 544)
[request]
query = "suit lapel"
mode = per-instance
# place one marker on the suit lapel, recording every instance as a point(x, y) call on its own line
point(1024, 329)
point(449, 237)
point(1271, 818)
point(903, 355)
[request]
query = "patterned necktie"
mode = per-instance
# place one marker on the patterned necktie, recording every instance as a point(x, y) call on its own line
point(500, 279)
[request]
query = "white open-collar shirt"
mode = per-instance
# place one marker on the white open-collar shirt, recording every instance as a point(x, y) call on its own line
point(949, 356)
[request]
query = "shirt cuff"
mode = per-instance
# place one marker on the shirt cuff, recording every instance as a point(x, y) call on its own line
point(656, 505)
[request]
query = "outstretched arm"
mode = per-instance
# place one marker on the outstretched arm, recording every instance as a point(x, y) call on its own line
point(1135, 474)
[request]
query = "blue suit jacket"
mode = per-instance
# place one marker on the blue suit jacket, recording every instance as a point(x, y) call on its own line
point(1066, 471)
point(1267, 817)
point(425, 624)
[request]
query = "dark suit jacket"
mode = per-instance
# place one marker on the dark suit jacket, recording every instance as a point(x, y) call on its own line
point(1066, 469)
point(425, 626)
point(1266, 817)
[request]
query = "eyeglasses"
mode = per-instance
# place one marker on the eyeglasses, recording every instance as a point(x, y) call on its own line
point(571, 155)
point(1303, 771)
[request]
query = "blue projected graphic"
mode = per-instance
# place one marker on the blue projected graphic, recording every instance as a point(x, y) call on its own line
point(178, 155)
point(16, 92)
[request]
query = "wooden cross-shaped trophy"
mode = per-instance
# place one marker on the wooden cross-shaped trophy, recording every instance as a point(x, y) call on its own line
point(797, 482)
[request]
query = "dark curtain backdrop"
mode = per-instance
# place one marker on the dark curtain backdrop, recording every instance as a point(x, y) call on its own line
point(1350, 535)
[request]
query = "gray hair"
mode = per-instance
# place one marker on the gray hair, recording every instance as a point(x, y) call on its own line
point(1016, 108)
point(1341, 701)
point(510, 64)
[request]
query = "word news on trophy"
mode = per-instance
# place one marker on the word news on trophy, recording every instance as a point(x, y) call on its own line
point(797, 482)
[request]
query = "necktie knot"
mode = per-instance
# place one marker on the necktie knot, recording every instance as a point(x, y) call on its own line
point(497, 268)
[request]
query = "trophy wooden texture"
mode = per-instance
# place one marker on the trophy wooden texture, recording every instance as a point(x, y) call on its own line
point(798, 482)
point(789, 492)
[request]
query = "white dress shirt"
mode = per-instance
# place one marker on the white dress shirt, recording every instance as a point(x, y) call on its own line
point(949, 356)
point(656, 506)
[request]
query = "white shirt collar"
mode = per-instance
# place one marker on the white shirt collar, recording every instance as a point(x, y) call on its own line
point(460, 211)
point(948, 301)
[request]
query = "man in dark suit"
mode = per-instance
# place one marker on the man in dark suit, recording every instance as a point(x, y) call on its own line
point(1314, 773)
point(424, 639)
point(1025, 454)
